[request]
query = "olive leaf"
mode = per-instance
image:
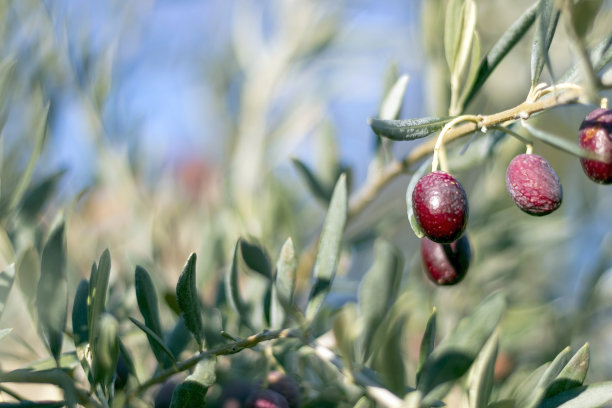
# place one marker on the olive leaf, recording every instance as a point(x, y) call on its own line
point(455, 354)
point(98, 286)
point(188, 300)
point(407, 129)
point(146, 297)
point(79, 314)
point(501, 48)
point(378, 290)
point(52, 291)
point(329, 248)
point(427, 343)
point(545, 30)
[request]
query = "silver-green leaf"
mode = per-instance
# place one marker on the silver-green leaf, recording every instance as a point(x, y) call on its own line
point(52, 291)
point(378, 291)
point(329, 248)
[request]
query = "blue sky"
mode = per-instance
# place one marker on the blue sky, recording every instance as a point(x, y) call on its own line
point(160, 100)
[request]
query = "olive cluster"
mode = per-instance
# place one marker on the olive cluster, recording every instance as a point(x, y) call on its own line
point(440, 203)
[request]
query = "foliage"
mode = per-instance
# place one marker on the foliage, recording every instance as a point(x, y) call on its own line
point(272, 291)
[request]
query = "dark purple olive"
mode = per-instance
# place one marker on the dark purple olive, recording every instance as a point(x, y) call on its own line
point(446, 264)
point(440, 207)
point(266, 399)
point(286, 386)
point(533, 184)
point(595, 136)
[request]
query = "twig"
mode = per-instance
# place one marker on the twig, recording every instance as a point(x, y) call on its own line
point(226, 349)
point(368, 192)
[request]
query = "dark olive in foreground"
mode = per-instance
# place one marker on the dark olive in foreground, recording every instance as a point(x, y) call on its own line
point(446, 264)
point(266, 399)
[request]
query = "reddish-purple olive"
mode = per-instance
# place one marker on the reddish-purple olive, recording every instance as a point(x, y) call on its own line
point(533, 184)
point(596, 136)
point(446, 264)
point(440, 206)
point(286, 386)
point(266, 399)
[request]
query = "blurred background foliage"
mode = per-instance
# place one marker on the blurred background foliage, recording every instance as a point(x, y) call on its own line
point(165, 127)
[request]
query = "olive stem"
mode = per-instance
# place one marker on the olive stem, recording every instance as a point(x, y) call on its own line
point(439, 155)
point(226, 349)
point(369, 191)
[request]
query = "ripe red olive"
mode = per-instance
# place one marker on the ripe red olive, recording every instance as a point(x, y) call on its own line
point(440, 206)
point(595, 136)
point(533, 184)
point(446, 264)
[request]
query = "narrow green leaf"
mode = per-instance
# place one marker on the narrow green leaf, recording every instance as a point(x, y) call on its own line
point(423, 169)
point(146, 297)
point(572, 375)
point(454, 356)
point(465, 39)
point(189, 394)
point(552, 371)
point(7, 276)
point(378, 290)
point(317, 187)
point(480, 379)
point(548, 16)
point(407, 129)
point(52, 291)
point(452, 30)
point(28, 275)
point(472, 75)
point(392, 104)
point(560, 143)
point(387, 353)
point(329, 248)
point(79, 314)
point(427, 343)
point(345, 332)
point(591, 396)
point(232, 290)
point(154, 337)
point(256, 258)
point(286, 269)
point(188, 300)
point(501, 48)
point(105, 351)
point(26, 174)
point(284, 284)
point(98, 285)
